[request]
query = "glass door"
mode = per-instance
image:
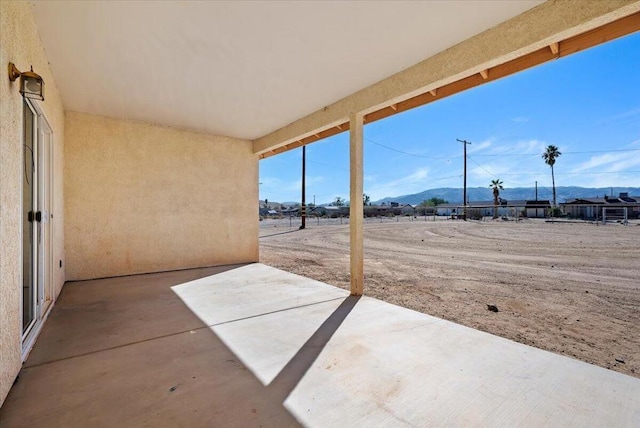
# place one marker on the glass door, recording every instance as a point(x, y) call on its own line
point(36, 228)
point(29, 192)
point(44, 235)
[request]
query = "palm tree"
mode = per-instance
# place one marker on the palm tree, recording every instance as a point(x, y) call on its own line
point(497, 186)
point(365, 199)
point(550, 155)
point(338, 202)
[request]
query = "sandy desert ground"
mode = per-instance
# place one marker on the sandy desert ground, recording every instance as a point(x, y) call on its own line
point(569, 288)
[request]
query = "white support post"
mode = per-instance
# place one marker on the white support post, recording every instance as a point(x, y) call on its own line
point(356, 221)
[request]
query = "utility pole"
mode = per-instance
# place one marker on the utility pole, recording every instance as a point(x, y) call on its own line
point(465, 143)
point(303, 212)
point(536, 190)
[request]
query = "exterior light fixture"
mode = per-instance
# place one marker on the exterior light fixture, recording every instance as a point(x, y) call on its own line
point(31, 84)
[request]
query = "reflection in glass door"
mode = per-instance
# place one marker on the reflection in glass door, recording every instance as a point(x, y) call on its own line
point(28, 218)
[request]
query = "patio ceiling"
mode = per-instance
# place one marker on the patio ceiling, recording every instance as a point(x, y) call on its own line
point(242, 69)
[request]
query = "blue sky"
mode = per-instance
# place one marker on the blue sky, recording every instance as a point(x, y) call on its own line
point(587, 104)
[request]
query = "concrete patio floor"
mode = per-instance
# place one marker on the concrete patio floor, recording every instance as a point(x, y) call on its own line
point(255, 346)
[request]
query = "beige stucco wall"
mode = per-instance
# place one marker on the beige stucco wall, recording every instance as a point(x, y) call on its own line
point(144, 198)
point(20, 44)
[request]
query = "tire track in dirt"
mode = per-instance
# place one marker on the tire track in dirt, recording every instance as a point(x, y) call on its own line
point(571, 289)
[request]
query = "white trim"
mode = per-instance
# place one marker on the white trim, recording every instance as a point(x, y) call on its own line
point(42, 289)
point(33, 333)
point(24, 333)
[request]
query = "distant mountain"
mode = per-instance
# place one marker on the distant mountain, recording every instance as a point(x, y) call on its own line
point(563, 193)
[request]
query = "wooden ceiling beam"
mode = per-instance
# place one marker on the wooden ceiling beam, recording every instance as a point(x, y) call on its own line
point(597, 36)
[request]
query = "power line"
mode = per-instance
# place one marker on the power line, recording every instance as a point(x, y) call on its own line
point(564, 173)
point(490, 173)
point(540, 173)
point(409, 154)
point(377, 143)
point(378, 175)
point(596, 172)
point(564, 153)
point(496, 154)
point(494, 175)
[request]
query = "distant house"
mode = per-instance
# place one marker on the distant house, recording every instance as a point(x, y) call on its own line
point(537, 209)
point(483, 208)
point(591, 208)
point(408, 209)
point(266, 212)
point(334, 212)
point(449, 209)
point(290, 211)
point(315, 210)
point(377, 210)
point(269, 209)
point(270, 205)
point(426, 210)
point(391, 209)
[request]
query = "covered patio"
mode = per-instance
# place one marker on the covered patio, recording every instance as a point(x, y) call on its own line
point(250, 345)
point(133, 183)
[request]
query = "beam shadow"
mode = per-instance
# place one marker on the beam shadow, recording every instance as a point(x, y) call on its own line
point(140, 347)
point(291, 374)
point(280, 233)
point(127, 352)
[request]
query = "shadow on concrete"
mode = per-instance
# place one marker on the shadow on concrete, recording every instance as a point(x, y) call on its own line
point(296, 368)
point(128, 352)
point(280, 233)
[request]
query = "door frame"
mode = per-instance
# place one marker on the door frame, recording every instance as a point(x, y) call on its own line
point(42, 268)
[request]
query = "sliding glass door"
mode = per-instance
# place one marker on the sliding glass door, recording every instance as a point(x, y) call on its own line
point(29, 192)
point(36, 203)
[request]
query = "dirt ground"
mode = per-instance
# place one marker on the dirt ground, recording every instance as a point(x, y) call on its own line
point(569, 288)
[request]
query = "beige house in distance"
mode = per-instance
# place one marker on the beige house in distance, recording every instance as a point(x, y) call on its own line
point(156, 112)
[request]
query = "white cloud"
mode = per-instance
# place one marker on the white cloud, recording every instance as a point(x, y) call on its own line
point(520, 147)
point(610, 162)
point(474, 148)
point(621, 117)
